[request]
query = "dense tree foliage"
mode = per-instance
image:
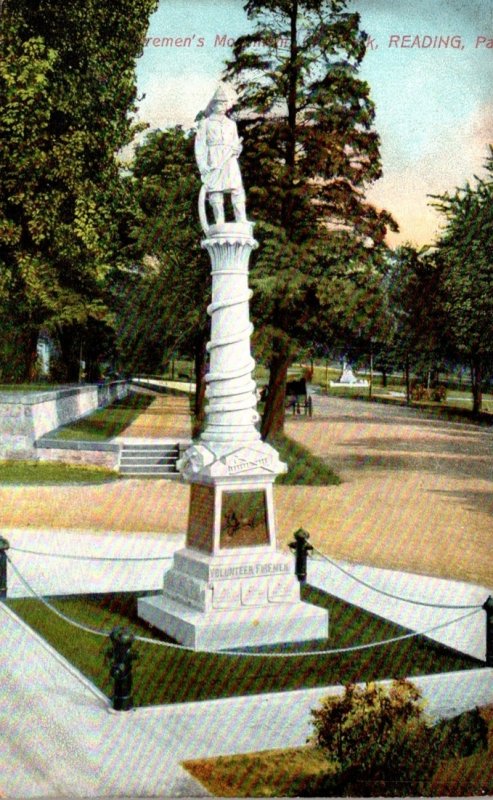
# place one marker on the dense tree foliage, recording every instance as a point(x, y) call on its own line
point(417, 326)
point(465, 252)
point(67, 84)
point(162, 305)
point(310, 151)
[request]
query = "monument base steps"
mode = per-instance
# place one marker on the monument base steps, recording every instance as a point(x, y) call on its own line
point(234, 628)
point(241, 598)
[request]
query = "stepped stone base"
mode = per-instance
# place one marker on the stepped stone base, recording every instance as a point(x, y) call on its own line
point(236, 628)
point(233, 601)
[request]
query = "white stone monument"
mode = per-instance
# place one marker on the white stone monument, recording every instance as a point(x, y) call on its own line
point(230, 587)
point(348, 378)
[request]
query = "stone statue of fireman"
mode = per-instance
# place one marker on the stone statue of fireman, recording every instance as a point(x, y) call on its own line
point(217, 147)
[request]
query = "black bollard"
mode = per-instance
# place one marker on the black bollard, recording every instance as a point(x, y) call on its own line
point(4, 546)
point(301, 548)
point(488, 607)
point(121, 667)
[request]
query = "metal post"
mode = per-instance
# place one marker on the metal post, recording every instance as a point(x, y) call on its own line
point(4, 546)
point(488, 607)
point(301, 548)
point(121, 667)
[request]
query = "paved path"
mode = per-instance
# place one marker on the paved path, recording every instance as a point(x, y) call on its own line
point(167, 417)
point(417, 492)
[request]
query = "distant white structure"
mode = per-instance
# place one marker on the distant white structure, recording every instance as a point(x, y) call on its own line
point(348, 378)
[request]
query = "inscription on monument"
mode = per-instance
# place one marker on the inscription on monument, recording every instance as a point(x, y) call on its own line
point(226, 595)
point(253, 593)
point(283, 590)
point(200, 534)
point(249, 570)
point(243, 519)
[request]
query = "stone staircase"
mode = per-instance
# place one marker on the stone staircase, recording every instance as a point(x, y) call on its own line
point(156, 460)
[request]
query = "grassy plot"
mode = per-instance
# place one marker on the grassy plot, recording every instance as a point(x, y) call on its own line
point(299, 771)
point(167, 675)
point(30, 387)
point(304, 468)
point(107, 422)
point(274, 773)
point(289, 773)
point(38, 472)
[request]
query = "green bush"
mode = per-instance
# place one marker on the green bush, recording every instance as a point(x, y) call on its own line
point(437, 394)
point(462, 736)
point(382, 743)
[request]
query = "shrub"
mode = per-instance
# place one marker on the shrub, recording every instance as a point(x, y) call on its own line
point(461, 736)
point(437, 394)
point(382, 743)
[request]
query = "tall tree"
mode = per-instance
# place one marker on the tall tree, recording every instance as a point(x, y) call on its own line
point(67, 85)
point(310, 152)
point(466, 253)
point(171, 285)
point(418, 326)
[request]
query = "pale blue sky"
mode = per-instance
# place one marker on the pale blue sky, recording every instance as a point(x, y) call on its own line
point(434, 105)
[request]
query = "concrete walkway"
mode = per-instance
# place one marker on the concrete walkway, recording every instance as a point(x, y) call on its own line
point(60, 739)
point(167, 417)
point(417, 497)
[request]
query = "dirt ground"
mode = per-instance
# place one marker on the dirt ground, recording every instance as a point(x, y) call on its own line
point(416, 492)
point(167, 416)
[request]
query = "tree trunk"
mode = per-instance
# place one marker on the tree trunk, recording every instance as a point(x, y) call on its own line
point(408, 383)
point(69, 340)
point(200, 366)
point(274, 412)
point(31, 355)
point(477, 385)
point(384, 377)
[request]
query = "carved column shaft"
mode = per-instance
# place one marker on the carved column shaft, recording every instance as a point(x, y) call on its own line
point(231, 391)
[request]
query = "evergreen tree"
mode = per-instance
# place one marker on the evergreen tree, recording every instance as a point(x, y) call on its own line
point(310, 151)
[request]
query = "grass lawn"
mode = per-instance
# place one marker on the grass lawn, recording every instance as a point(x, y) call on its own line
point(272, 773)
point(105, 423)
point(166, 675)
point(30, 387)
point(45, 472)
point(304, 468)
point(282, 773)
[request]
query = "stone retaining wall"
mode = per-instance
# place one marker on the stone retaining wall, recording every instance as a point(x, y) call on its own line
point(98, 454)
point(27, 416)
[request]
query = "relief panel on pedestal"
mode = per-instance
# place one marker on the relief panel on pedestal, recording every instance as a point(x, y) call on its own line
point(243, 520)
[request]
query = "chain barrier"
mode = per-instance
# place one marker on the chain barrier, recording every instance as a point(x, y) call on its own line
point(389, 594)
point(27, 585)
point(89, 558)
point(243, 653)
point(298, 653)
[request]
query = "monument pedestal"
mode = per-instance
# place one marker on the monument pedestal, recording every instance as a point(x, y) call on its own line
point(237, 601)
point(230, 587)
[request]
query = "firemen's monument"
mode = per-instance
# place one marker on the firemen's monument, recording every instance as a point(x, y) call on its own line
point(230, 587)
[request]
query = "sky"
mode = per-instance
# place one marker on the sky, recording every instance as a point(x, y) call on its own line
point(434, 103)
